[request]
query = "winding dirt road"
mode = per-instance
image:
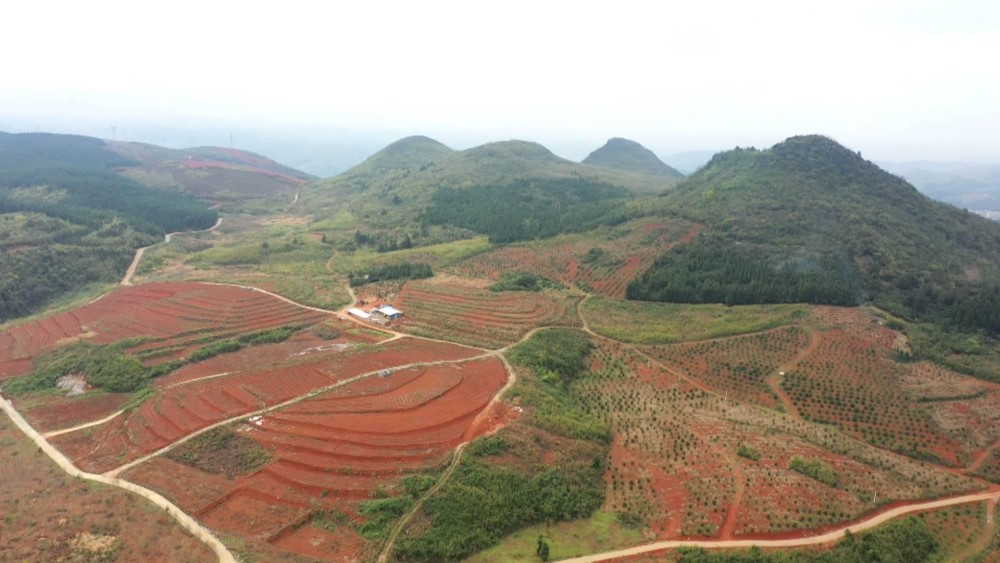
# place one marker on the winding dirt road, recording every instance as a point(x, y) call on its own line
point(127, 280)
point(187, 522)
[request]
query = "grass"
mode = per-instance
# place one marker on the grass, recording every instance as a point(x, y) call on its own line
point(600, 532)
point(665, 323)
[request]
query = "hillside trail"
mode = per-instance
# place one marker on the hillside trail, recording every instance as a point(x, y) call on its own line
point(774, 380)
point(127, 280)
point(186, 521)
point(982, 457)
point(821, 539)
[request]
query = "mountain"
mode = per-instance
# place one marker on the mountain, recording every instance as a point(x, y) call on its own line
point(630, 156)
point(509, 190)
point(809, 220)
point(67, 219)
point(213, 173)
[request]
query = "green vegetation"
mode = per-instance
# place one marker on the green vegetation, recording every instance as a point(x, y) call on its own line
point(558, 355)
point(484, 500)
point(666, 323)
point(108, 367)
point(105, 367)
point(816, 219)
point(67, 219)
point(329, 520)
point(523, 281)
point(814, 468)
point(222, 450)
point(483, 503)
point(382, 512)
point(398, 271)
point(900, 541)
point(601, 532)
point(531, 208)
point(715, 270)
point(488, 445)
point(748, 452)
point(557, 358)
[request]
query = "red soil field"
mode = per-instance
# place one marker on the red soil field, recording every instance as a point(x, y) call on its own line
point(178, 317)
point(674, 461)
point(332, 451)
point(45, 509)
point(737, 366)
point(56, 412)
point(178, 411)
point(603, 267)
point(851, 381)
point(463, 312)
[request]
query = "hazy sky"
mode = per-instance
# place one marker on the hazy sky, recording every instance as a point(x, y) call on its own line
point(894, 79)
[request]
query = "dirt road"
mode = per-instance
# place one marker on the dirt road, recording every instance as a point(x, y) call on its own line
point(127, 280)
point(183, 519)
point(821, 539)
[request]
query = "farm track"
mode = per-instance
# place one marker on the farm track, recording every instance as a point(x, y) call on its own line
point(821, 539)
point(182, 518)
point(127, 280)
point(982, 457)
point(774, 380)
point(109, 418)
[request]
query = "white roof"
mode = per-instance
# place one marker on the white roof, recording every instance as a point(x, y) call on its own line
point(389, 310)
point(358, 313)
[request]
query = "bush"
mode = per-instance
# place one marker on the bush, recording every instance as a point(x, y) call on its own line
point(814, 468)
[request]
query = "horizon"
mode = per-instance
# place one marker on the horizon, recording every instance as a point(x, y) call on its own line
point(898, 81)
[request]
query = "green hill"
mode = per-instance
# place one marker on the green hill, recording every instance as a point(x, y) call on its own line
point(68, 219)
point(420, 189)
point(630, 156)
point(809, 220)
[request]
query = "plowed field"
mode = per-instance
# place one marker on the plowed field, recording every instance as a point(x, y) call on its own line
point(176, 318)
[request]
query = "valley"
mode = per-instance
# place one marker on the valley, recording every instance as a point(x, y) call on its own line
point(763, 394)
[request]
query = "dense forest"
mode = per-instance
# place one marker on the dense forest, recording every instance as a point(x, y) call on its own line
point(810, 209)
point(67, 219)
point(530, 209)
point(710, 270)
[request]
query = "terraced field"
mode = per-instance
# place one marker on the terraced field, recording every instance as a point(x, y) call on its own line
point(332, 451)
point(460, 311)
point(176, 318)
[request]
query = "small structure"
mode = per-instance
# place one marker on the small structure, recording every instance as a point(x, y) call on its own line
point(355, 312)
point(388, 311)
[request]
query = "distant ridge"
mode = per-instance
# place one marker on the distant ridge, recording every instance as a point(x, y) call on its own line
point(408, 152)
point(630, 156)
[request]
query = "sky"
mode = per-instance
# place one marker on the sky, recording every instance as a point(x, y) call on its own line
point(897, 80)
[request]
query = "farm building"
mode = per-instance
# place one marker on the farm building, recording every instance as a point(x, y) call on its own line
point(355, 312)
point(388, 311)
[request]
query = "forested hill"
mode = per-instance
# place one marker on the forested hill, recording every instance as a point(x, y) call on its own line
point(422, 191)
point(67, 219)
point(809, 220)
point(623, 154)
